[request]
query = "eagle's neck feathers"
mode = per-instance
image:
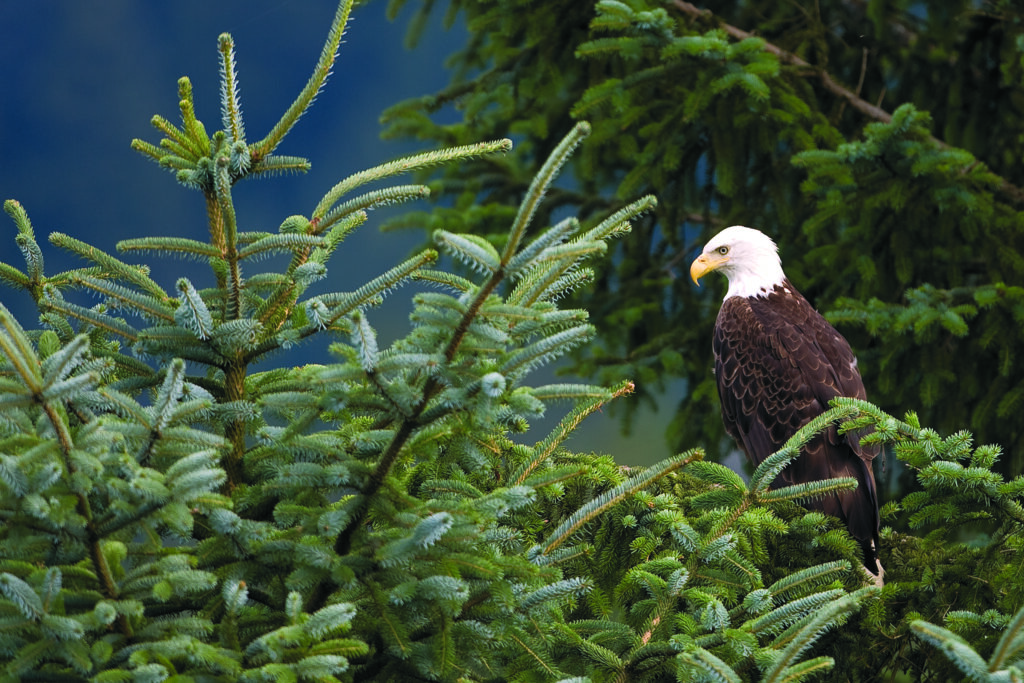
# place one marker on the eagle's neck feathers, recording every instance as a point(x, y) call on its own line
point(756, 275)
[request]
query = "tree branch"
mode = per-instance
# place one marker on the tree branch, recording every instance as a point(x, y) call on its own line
point(864, 107)
point(1012, 192)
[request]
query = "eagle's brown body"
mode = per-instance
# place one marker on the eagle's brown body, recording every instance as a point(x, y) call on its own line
point(778, 363)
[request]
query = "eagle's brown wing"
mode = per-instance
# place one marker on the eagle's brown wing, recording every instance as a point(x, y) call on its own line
point(778, 363)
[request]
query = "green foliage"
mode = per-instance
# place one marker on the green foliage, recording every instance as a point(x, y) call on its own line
point(968, 337)
point(172, 513)
point(879, 143)
point(1006, 663)
point(202, 520)
point(962, 522)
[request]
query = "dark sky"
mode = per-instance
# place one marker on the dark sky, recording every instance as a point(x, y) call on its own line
point(79, 79)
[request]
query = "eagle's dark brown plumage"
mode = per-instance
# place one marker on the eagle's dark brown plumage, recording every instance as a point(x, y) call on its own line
point(778, 363)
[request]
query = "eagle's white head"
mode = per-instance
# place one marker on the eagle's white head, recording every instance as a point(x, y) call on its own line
point(748, 257)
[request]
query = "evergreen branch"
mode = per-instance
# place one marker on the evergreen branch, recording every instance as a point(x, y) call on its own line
point(610, 498)
point(433, 386)
point(280, 243)
point(449, 280)
point(188, 173)
point(338, 232)
point(176, 135)
point(545, 349)
point(609, 90)
point(770, 467)
point(137, 275)
point(472, 250)
point(538, 187)
point(230, 107)
point(18, 349)
point(275, 309)
point(808, 630)
point(864, 107)
point(274, 164)
point(800, 671)
point(227, 229)
point(196, 131)
point(180, 157)
point(532, 198)
point(234, 336)
point(372, 200)
point(193, 314)
point(1010, 644)
point(65, 390)
point(792, 612)
point(16, 211)
point(90, 317)
point(174, 341)
point(33, 276)
point(13, 396)
point(564, 285)
point(324, 64)
point(557, 591)
point(124, 297)
point(460, 489)
point(364, 339)
point(574, 251)
point(538, 284)
point(618, 223)
point(850, 97)
point(259, 282)
point(131, 370)
point(604, 658)
point(123, 405)
point(718, 475)
point(543, 450)
point(343, 304)
point(13, 276)
point(808, 490)
point(805, 580)
point(553, 476)
point(178, 245)
point(22, 356)
point(533, 653)
point(147, 149)
point(709, 664)
point(889, 429)
point(554, 235)
point(955, 648)
point(407, 165)
point(22, 596)
point(568, 392)
point(60, 364)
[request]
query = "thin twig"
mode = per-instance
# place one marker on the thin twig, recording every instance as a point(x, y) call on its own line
point(863, 70)
point(860, 81)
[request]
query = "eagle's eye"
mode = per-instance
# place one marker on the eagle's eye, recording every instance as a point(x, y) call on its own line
point(723, 250)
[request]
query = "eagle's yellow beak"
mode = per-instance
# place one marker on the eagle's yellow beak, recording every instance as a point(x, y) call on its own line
point(704, 264)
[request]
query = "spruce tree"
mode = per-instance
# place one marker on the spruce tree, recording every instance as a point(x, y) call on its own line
point(179, 506)
point(878, 142)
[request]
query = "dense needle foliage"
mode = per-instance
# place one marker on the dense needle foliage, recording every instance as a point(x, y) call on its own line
point(878, 142)
point(178, 507)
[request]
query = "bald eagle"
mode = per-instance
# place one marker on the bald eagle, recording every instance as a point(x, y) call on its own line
point(777, 364)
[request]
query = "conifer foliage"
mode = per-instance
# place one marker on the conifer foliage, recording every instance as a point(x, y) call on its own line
point(172, 512)
point(878, 142)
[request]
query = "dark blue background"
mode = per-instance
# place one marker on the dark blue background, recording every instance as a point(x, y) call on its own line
point(79, 79)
